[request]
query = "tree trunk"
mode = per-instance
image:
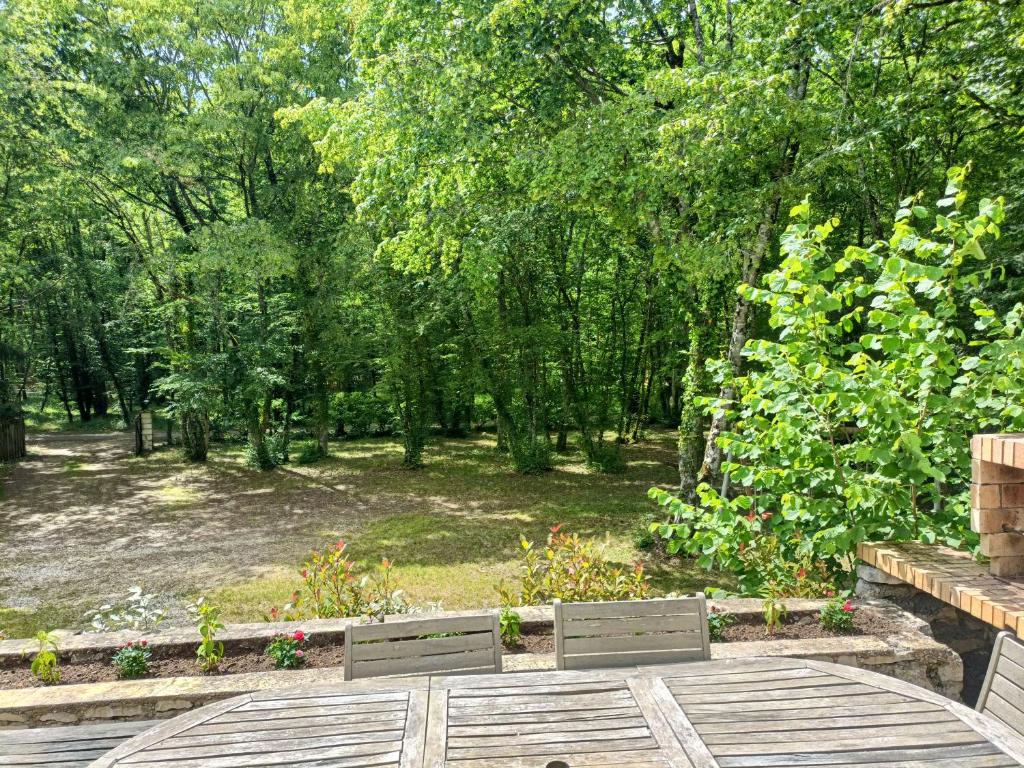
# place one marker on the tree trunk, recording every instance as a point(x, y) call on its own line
point(712, 463)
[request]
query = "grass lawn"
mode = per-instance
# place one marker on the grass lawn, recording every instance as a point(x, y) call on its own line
point(458, 552)
point(83, 520)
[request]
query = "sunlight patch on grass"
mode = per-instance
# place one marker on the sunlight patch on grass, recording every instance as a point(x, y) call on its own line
point(176, 495)
point(26, 623)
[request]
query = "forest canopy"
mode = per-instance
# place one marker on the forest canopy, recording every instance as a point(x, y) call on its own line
point(270, 218)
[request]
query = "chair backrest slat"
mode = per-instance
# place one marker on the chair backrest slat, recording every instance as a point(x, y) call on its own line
point(1002, 694)
point(628, 632)
point(450, 644)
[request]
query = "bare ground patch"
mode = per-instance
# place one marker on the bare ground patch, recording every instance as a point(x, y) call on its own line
point(83, 520)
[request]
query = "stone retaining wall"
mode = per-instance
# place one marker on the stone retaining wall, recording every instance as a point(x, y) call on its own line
point(967, 636)
point(912, 654)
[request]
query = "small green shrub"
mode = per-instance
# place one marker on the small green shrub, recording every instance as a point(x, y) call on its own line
point(530, 458)
point(310, 453)
point(332, 589)
point(774, 611)
point(138, 611)
point(259, 457)
point(511, 626)
point(574, 570)
point(45, 666)
point(210, 652)
point(287, 650)
point(838, 615)
point(132, 660)
point(605, 458)
point(718, 622)
point(643, 534)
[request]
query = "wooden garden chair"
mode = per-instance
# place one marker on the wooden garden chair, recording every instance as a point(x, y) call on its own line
point(450, 645)
point(1002, 693)
point(629, 632)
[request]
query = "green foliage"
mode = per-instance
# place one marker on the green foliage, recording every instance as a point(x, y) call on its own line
point(837, 615)
point(361, 414)
point(210, 652)
point(132, 660)
point(774, 612)
point(45, 665)
point(287, 651)
point(718, 622)
point(574, 570)
point(333, 589)
point(310, 453)
point(139, 612)
point(854, 418)
point(643, 534)
point(605, 457)
point(510, 624)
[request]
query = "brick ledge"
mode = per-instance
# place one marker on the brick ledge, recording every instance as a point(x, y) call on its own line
point(953, 577)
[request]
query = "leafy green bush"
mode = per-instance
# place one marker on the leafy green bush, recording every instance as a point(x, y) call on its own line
point(45, 665)
point(838, 615)
point(853, 424)
point(132, 660)
point(574, 570)
point(332, 588)
point(310, 453)
point(718, 622)
point(139, 611)
point(604, 457)
point(510, 624)
point(643, 534)
point(530, 458)
point(210, 652)
point(288, 651)
point(362, 413)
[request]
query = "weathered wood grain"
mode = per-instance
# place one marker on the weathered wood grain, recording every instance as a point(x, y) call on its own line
point(751, 713)
point(628, 633)
point(468, 644)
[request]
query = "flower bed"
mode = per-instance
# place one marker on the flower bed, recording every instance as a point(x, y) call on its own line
point(884, 639)
point(88, 658)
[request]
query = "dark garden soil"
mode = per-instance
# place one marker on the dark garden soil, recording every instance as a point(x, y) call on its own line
point(797, 626)
point(805, 626)
point(235, 663)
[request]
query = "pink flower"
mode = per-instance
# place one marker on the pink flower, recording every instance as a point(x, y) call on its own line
point(143, 643)
point(848, 607)
point(299, 635)
point(299, 653)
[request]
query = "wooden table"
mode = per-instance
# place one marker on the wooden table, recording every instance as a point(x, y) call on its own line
point(753, 713)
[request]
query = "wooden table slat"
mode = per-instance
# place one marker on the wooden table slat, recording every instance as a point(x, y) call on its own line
point(750, 713)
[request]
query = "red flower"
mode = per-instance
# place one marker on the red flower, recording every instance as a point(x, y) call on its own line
point(848, 607)
point(299, 635)
point(751, 517)
point(143, 643)
point(801, 574)
point(557, 528)
point(766, 515)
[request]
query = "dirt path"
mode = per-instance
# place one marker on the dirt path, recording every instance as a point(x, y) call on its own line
point(83, 520)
